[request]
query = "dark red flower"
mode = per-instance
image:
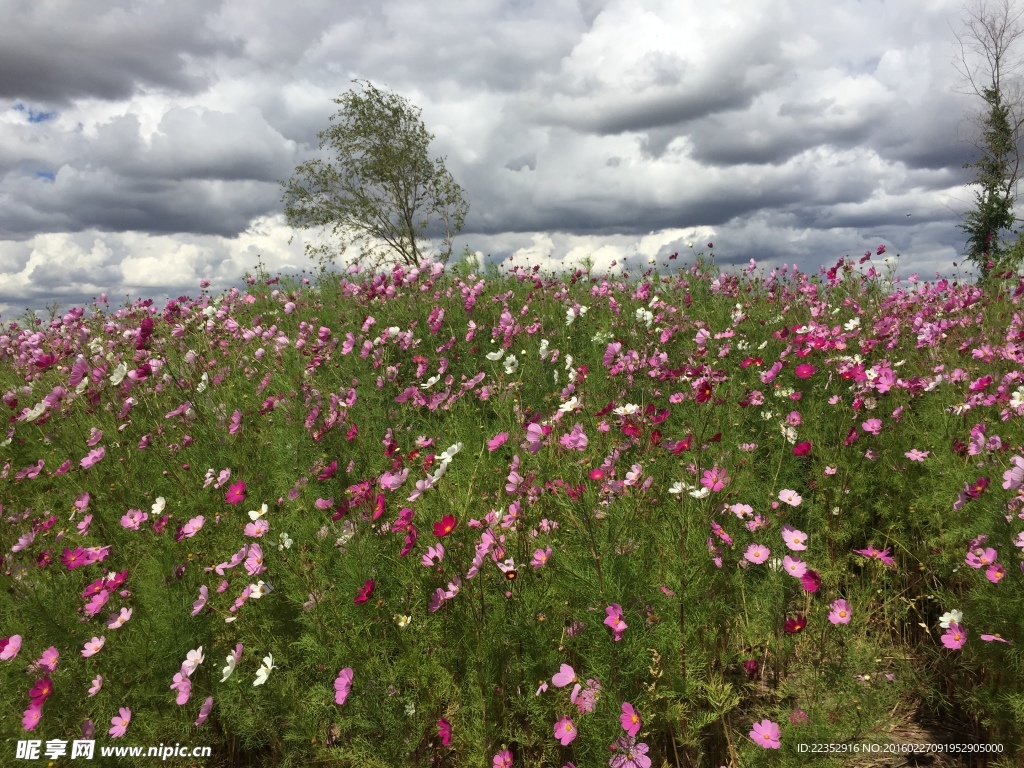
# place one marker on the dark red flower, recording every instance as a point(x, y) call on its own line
point(795, 624)
point(802, 449)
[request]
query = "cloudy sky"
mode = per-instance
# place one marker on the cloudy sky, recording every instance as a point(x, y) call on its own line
point(142, 141)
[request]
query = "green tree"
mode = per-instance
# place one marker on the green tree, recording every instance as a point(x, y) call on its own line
point(987, 39)
point(381, 192)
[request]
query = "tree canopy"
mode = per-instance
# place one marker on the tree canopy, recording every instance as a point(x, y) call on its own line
point(380, 191)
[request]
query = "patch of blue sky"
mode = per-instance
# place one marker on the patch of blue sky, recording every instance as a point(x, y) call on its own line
point(46, 175)
point(35, 116)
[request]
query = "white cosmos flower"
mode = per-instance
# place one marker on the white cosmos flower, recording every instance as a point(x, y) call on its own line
point(495, 355)
point(700, 493)
point(446, 456)
point(193, 660)
point(430, 382)
point(119, 373)
point(511, 364)
point(254, 515)
point(259, 589)
point(264, 671)
point(229, 668)
point(626, 410)
point(158, 505)
point(676, 488)
point(948, 617)
point(569, 405)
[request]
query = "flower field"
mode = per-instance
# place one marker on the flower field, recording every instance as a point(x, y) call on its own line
point(439, 518)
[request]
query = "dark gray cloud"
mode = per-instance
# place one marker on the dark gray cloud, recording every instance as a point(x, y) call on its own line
point(141, 143)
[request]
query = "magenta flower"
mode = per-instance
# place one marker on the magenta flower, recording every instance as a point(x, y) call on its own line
point(840, 613)
point(955, 637)
point(74, 558)
point(503, 759)
point(444, 730)
point(630, 719)
point(120, 723)
point(980, 557)
point(876, 554)
point(804, 371)
point(996, 638)
point(446, 525)
point(565, 730)
point(235, 493)
point(343, 685)
point(810, 581)
point(365, 592)
point(41, 691)
point(995, 573)
point(497, 441)
point(766, 733)
point(757, 553)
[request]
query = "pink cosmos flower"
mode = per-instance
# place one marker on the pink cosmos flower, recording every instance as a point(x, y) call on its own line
point(840, 613)
point(434, 555)
point(564, 676)
point(629, 719)
point(94, 457)
point(133, 519)
point(96, 603)
point(996, 637)
point(540, 557)
point(503, 759)
point(794, 539)
point(794, 567)
point(615, 621)
point(74, 558)
point(41, 691)
point(343, 685)
point(48, 660)
point(93, 646)
point(876, 554)
point(193, 526)
point(628, 754)
point(979, 557)
point(183, 686)
point(444, 730)
point(120, 723)
point(804, 371)
point(955, 637)
point(995, 573)
point(254, 561)
point(497, 441)
point(235, 493)
point(766, 734)
point(757, 553)
point(204, 711)
point(874, 426)
point(790, 497)
point(31, 717)
point(97, 683)
point(257, 529)
point(714, 479)
point(200, 603)
point(565, 730)
point(575, 440)
point(9, 647)
point(916, 455)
